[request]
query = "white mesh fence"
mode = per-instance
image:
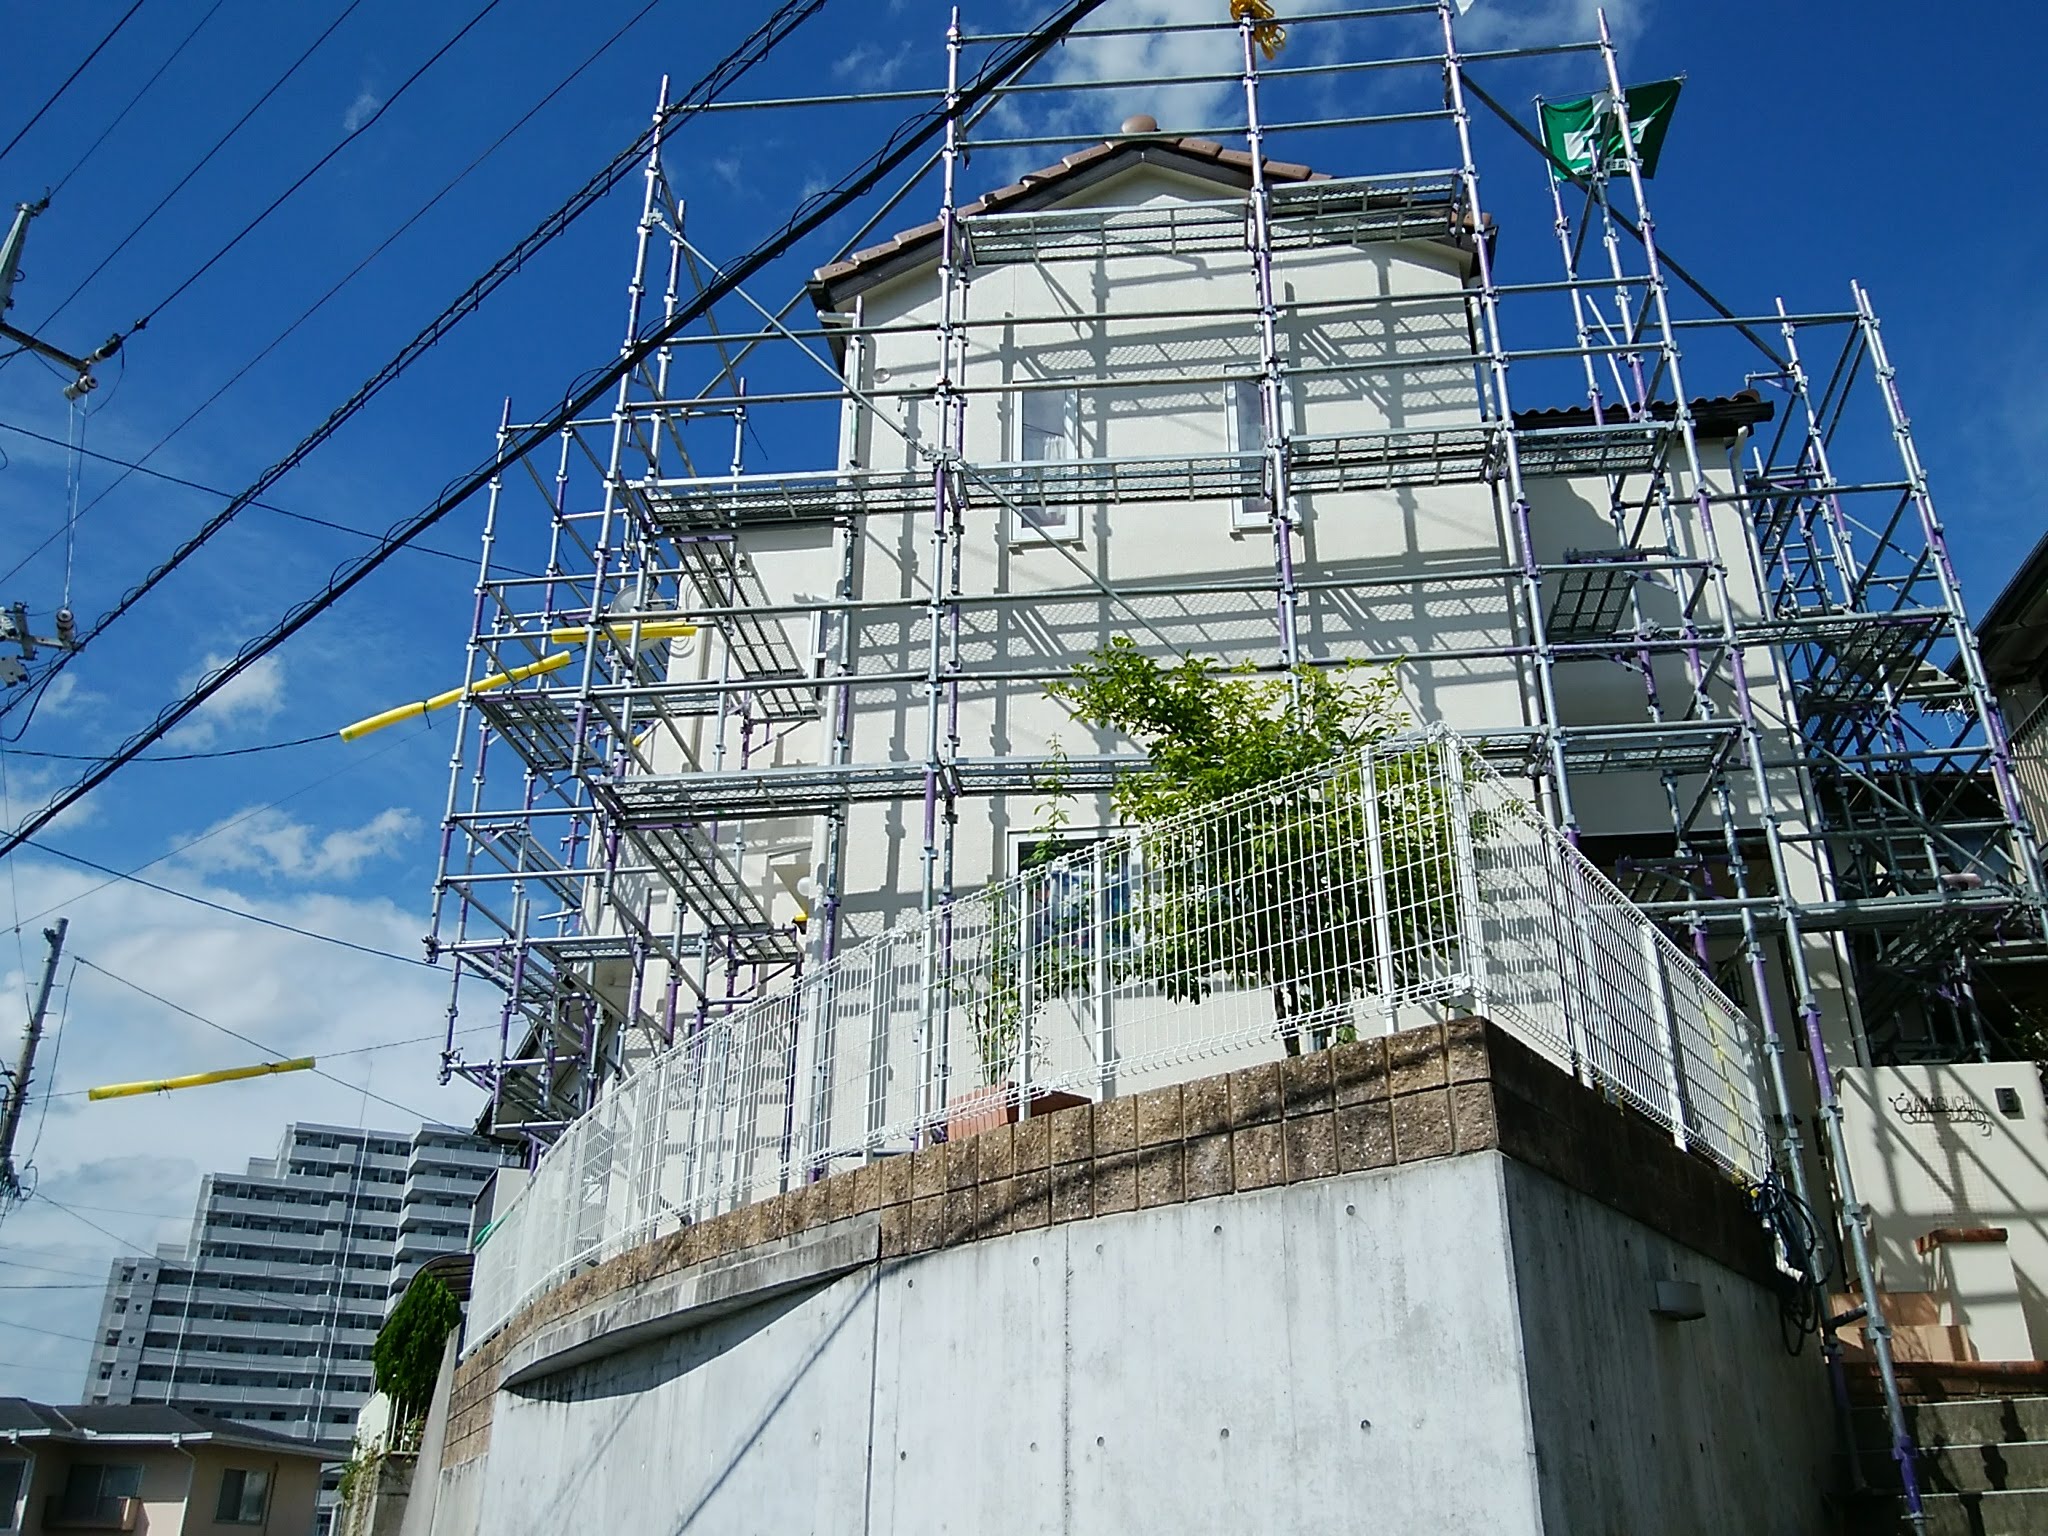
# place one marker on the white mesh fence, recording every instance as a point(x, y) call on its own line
point(1403, 883)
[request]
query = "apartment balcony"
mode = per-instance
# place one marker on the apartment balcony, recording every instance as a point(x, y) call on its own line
point(60, 1514)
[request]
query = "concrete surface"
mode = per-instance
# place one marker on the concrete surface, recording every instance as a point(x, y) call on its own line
point(1453, 1345)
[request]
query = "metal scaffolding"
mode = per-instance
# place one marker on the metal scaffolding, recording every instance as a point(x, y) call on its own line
point(1841, 837)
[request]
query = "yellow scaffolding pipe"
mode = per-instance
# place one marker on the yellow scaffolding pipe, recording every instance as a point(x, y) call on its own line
point(618, 634)
point(199, 1079)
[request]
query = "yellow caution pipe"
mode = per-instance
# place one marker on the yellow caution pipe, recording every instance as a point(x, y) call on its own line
point(199, 1079)
point(659, 629)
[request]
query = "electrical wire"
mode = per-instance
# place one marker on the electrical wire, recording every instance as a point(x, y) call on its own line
point(172, 757)
point(316, 168)
point(135, 98)
point(349, 766)
point(37, 116)
point(225, 911)
point(730, 69)
point(204, 160)
point(250, 1040)
point(320, 303)
point(811, 215)
point(1805, 1265)
point(140, 467)
point(76, 1338)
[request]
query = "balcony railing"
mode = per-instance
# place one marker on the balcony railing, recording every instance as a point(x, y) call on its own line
point(1402, 883)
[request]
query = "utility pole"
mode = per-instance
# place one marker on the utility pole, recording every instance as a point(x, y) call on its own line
point(10, 1180)
point(14, 622)
point(10, 270)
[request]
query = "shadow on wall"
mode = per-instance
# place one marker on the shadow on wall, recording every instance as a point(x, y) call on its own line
point(628, 1380)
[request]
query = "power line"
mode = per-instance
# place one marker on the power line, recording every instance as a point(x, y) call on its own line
point(758, 44)
point(811, 215)
point(353, 273)
point(251, 1041)
point(204, 160)
point(227, 911)
point(37, 117)
point(172, 757)
point(140, 467)
point(76, 1338)
point(135, 98)
point(319, 165)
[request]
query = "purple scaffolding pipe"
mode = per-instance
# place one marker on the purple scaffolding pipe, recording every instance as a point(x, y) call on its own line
point(1877, 1329)
point(1497, 374)
point(1991, 716)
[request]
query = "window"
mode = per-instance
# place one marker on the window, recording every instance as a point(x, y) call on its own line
point(1248, 435)
point(93, 1492)
point(1049, 432)
point(13, 1474)
point(242, 1496)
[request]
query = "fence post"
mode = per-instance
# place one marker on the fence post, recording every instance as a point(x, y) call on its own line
point(1024, 989)
point(1376, 877)
point(1660, 1001)
point(878, 1039)
point(1473, 939)
point(1105, 1024)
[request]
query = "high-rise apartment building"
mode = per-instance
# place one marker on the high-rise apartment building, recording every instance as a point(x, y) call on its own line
point(267, 1312)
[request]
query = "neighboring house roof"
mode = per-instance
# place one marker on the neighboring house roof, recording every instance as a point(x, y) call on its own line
point(2013, 634)
point(1716, 417)
point(141, 1424)
point(1203, 159)
point(453, 1270)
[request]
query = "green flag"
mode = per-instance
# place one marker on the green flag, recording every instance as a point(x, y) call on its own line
point(1585, 135)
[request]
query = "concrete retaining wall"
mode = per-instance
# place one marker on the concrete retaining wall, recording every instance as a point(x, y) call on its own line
point(1459, 1338)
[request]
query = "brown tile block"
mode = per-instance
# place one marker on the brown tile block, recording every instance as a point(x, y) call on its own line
point(1255, 1159)
point(1072, 1199)
point(1306, 1085)
point(1465, 1054)
point(1032, 1199)
point(996, 1207)
point(1255, 1095)
point(895, 1175)
point(1359, 1071)
point(895, 1231)
point(780, 1214)
point(1422, 1126)
point(960, 1216)
point(927, 1172)
point(1158, 1114)
point(1415, 1060)
point(998, 1153)
point(1205, 1106)
point(1073, 1134)
point(1308, 1147)
point(1116, 1126)
point(1033, 1142)
point(1116, 1183)
point(1472, 1123)
point(835, 1196)
point(1159, 1175)
point(867, 1189)
point(927, 1223)
point(963, 1163)
point(1208, 1166)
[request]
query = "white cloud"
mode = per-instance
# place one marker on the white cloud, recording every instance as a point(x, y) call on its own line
point(360, 110)
point(870, 67)
point(133, 1166)
point(271, 843)
point(252, 699)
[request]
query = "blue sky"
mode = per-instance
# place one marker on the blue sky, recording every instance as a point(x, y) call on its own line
point(1806, 151)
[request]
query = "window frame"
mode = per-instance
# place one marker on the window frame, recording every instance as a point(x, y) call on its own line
point(1067, 529)
point(1253, 511)
point(238, 1478)
point(74, 1507)
point(13, 1509)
